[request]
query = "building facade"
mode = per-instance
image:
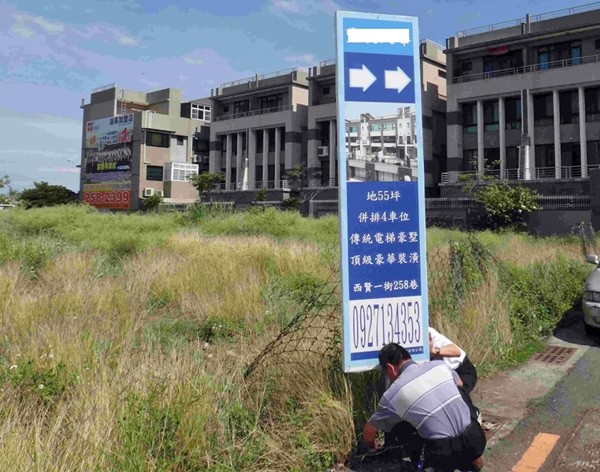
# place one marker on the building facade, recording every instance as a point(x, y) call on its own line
point(138, 144)
point(383, 148)
point(524, 101)
point(258, 130)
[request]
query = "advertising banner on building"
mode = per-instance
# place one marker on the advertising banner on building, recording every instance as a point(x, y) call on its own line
point(107, 164)
point(382, 193)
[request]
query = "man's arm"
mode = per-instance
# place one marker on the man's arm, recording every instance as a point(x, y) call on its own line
point(369, 435)
point(441, 346)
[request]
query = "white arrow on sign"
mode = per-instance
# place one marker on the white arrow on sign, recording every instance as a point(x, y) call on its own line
point(396, 79)
point(362, 78)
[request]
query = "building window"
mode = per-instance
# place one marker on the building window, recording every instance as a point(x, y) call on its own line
point(491, 158)
point(542, 109)
point(490, 115)
point(271, 134)
point(544, 155)
point(241, 106)
point(592, 104)
point(200, 112)
point(154, 173)
point(569, 107)
point(503, 59)
point(156, 139)
point(282, 139)
point(442, 73)
point(597, 44)
point(400, 139)
point(272, 101)
point(465, 66)
point(470, 160)
point(593, 152)
point(570, 155)
point(180, 140)
point(469, 112)
point(259, 140)
point(326, 90)
point(552, 56)
point(179, 171)
point(512, 108)
point(512, 157)
point(389, 126)
point(376, 127)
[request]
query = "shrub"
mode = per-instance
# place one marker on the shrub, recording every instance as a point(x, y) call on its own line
point(505, 205)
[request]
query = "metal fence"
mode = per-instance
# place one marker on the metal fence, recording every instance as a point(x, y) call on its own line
point(541, 66)
point(532, 19)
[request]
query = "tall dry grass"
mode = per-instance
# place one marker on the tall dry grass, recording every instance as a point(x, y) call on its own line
point(119, 354)
point(112, 373)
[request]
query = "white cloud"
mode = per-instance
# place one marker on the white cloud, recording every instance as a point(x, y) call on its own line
point(22, 31)
point(305, 59)
point(107, 33)
point(193, 61)
point(291, 6)
point(60, 170)
point(127, 41)
point(50, 27)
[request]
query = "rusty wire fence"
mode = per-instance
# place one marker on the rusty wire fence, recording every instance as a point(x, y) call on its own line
point(314, 335)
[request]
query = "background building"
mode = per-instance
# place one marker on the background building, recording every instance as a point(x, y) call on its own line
point(258, 130)
point(137, 144)
point(524, 101)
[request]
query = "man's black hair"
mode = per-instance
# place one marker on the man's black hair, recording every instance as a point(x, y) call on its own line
point(392, 353)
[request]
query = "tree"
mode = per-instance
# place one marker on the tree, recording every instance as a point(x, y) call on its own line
point(153, 202)
point(43, 194)
point(205, 182)
point(12, 196)
point(504, 205)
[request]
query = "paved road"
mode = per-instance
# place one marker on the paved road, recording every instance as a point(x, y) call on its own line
point(561, 431)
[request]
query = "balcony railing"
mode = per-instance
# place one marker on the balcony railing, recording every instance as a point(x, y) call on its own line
point(237, 82)
point(278, 73)
point(329, 62)
point(547, 202)
point(258, 185)
point(542, 66)
point(262, 111)
point(532, 19)
point(541, 173)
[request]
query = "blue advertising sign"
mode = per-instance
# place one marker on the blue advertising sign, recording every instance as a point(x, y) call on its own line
point(382, 193)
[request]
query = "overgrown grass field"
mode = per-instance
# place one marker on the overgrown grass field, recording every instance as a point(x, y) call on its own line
point(125, 337)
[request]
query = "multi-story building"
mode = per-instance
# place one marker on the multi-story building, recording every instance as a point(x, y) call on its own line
point(322, 151)
point(382, 148)
point(395, 134)
point(258, 129)
point(524, 101)
point(138, 144)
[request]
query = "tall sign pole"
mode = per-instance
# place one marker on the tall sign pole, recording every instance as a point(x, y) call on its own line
point(381, 186)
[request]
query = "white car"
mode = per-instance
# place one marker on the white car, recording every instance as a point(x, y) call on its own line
point(591, 298)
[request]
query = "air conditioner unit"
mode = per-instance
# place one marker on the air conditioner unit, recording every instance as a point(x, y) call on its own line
point(323, 151)
point(148, 192)
point(159, 193)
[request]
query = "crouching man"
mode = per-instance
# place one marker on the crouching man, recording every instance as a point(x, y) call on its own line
point(427, 398)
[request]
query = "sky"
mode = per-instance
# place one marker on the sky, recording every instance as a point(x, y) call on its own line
point(52, 54)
